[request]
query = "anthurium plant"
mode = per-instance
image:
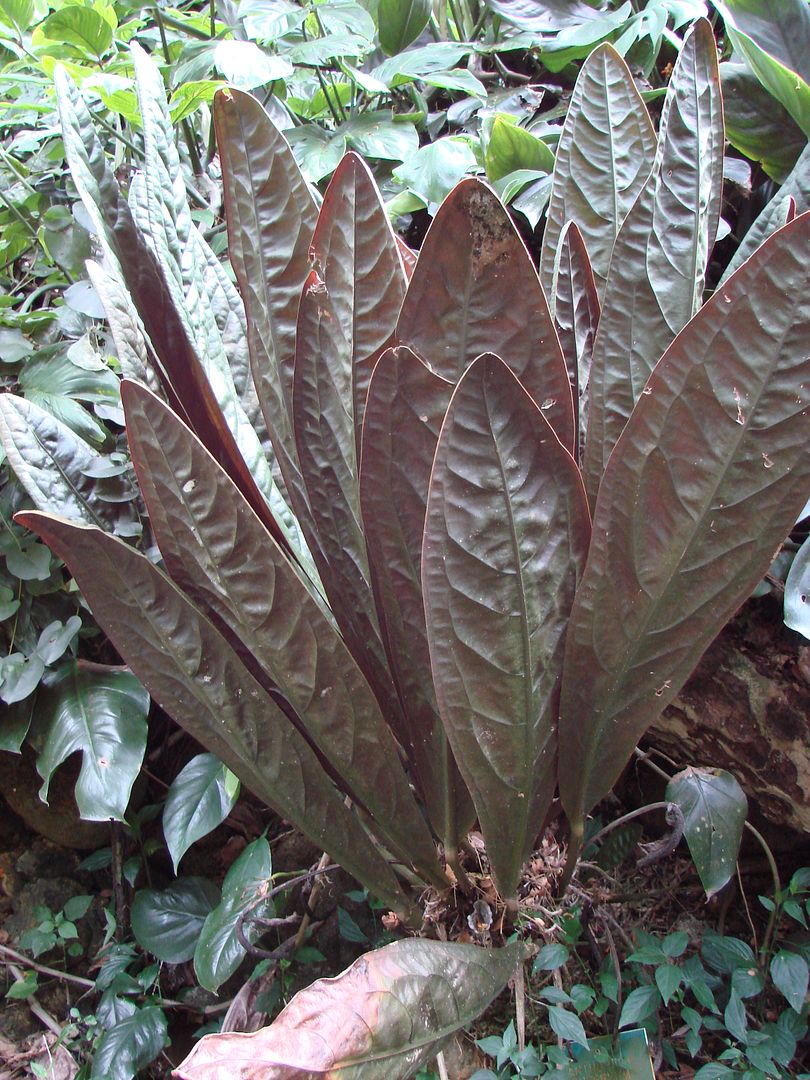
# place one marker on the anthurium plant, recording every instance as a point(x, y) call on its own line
point(440, 537)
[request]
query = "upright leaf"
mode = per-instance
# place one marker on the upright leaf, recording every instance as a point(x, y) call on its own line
point(387, 1015)
point(400, 23)
point(404, 413)
point(506, 536)
point(125, 325)
point(708, 477)
point(197, 801)
point(576, 315)
point(604, 156)
point(217, 550)
point(657, 269)
point(194, 674)
point(475, 290)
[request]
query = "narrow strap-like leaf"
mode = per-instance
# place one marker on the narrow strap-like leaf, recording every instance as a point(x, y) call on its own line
point(705, 482)
point(657, 270)
point(324, 435)
point(576, 315)
point(218, 551)
point(604, 156)
point(506, 535)
point(125, 325)
point(404, 413)
point(192, 672)
point(475, 290)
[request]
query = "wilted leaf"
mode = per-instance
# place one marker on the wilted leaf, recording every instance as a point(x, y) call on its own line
point(197, 802)
point(506, 535)
point(714, 808)
point(384, 1017)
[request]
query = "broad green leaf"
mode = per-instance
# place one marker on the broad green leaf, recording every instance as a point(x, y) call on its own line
point(21, 676)
point(377, 135)
point(271, 217)
point(714, 808)
point(54, 466)
point(667, 978)
point(18, 12)
point(382, 1019)
point(475, 290)
point(317, 152)
point(774, 39)
point(218, 951)
point(506, 534)
point(577, 42)
point(797, 188)
point(757, 125)
point(194, 674)
point(567, 1025)
point(797, 592)
point(15, 720)
point(184, 259)
point(657, 269)
point(130, 1045)
point(459, 79)
point(417, 63)
point(56, 637)
point(215, 548)
point(101, 712)
point(576, 313)
point(196, 803)
point(82, 27)
point(640, 1004)
point(512, 147)
point(434, 170)
point(189, 96)
point(628, 1058)
point(246, 66)
point(400, 22)
point(167, 922)
point(790, 976)
point(706, 480)
point(49, 379)
point(404, 413)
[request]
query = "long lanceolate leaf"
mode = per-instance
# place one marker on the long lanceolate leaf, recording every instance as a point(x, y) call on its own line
point(218, 551)
point(605, 154)
point(704, 483)
point(475, 290)
point(271, 217)
point(404, 413)
point(180, 369)
point(506, 536)
point(656, 277)
point(192, 672)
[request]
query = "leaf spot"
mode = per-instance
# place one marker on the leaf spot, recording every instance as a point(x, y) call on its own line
point(548, 403)
point(766, 461)
point(647, 391)
point(103, 762)
point(738, 399)
point(189, 486)
point(665, 686)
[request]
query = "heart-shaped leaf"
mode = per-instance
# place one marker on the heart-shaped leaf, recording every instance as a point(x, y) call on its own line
point(714, 808)
point(197, 801)
point(167, 922)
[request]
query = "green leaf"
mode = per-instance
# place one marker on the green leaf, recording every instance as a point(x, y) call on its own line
point(639, 1005)
point(15, 720)
point(246, 66)
point(18, 12)
point(774, 41)
point(512, 147)
point(596, 179)
point(657, 269)
point(735, 1019)
point(505, 509)
point(167, 922)
point(714, 808)
point(130, 1045)
point(726, 954)
point(667, 979)
point(82, 27)
point(670, 591)
point(790, 976)
point(188, 97)
point(475, 290)
point(191, 670)
point(349, 930)
point(56, 637)
point(577, 42)
point(550, 957)
point(404, 412)
point(434, 170)
point(797, 592)
point(20, 676)
point(219, 952)
point(317, 152)
point(567, 1025)
point(29, 562)
point(358, 1016)
point(757, 125)
point(196, 803)
point(400, 23)
point(101, 712)
point(377, 135)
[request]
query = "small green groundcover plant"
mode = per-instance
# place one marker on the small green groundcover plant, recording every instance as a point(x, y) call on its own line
point(434, 547)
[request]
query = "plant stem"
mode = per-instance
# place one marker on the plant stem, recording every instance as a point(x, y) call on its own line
point(574, 848)
point(767, 940)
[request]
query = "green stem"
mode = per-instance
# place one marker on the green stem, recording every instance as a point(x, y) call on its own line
point(15, 212)
point(212, 11)
point(767, 940)
point(177, 24)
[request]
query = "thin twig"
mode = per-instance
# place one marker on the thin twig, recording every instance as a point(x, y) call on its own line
point(10, 956)
point(35, 1007)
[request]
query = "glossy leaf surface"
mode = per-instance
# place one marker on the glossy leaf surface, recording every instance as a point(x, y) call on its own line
point(404, 413)
point(604, 156)
point(192, 672)
point(197, 802)
point(506, 535)
point(384, 1017)
point(657, 270)
point(706, 480)
point(102, 713)
point(220, 553)
point(167, 922)
point(714, 809)
point(797, 592)
point(475, 290)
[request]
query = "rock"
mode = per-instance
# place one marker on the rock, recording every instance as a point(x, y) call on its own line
point(51, 893)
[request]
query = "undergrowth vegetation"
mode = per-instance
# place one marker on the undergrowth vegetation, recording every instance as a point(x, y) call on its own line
point(415, 548)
